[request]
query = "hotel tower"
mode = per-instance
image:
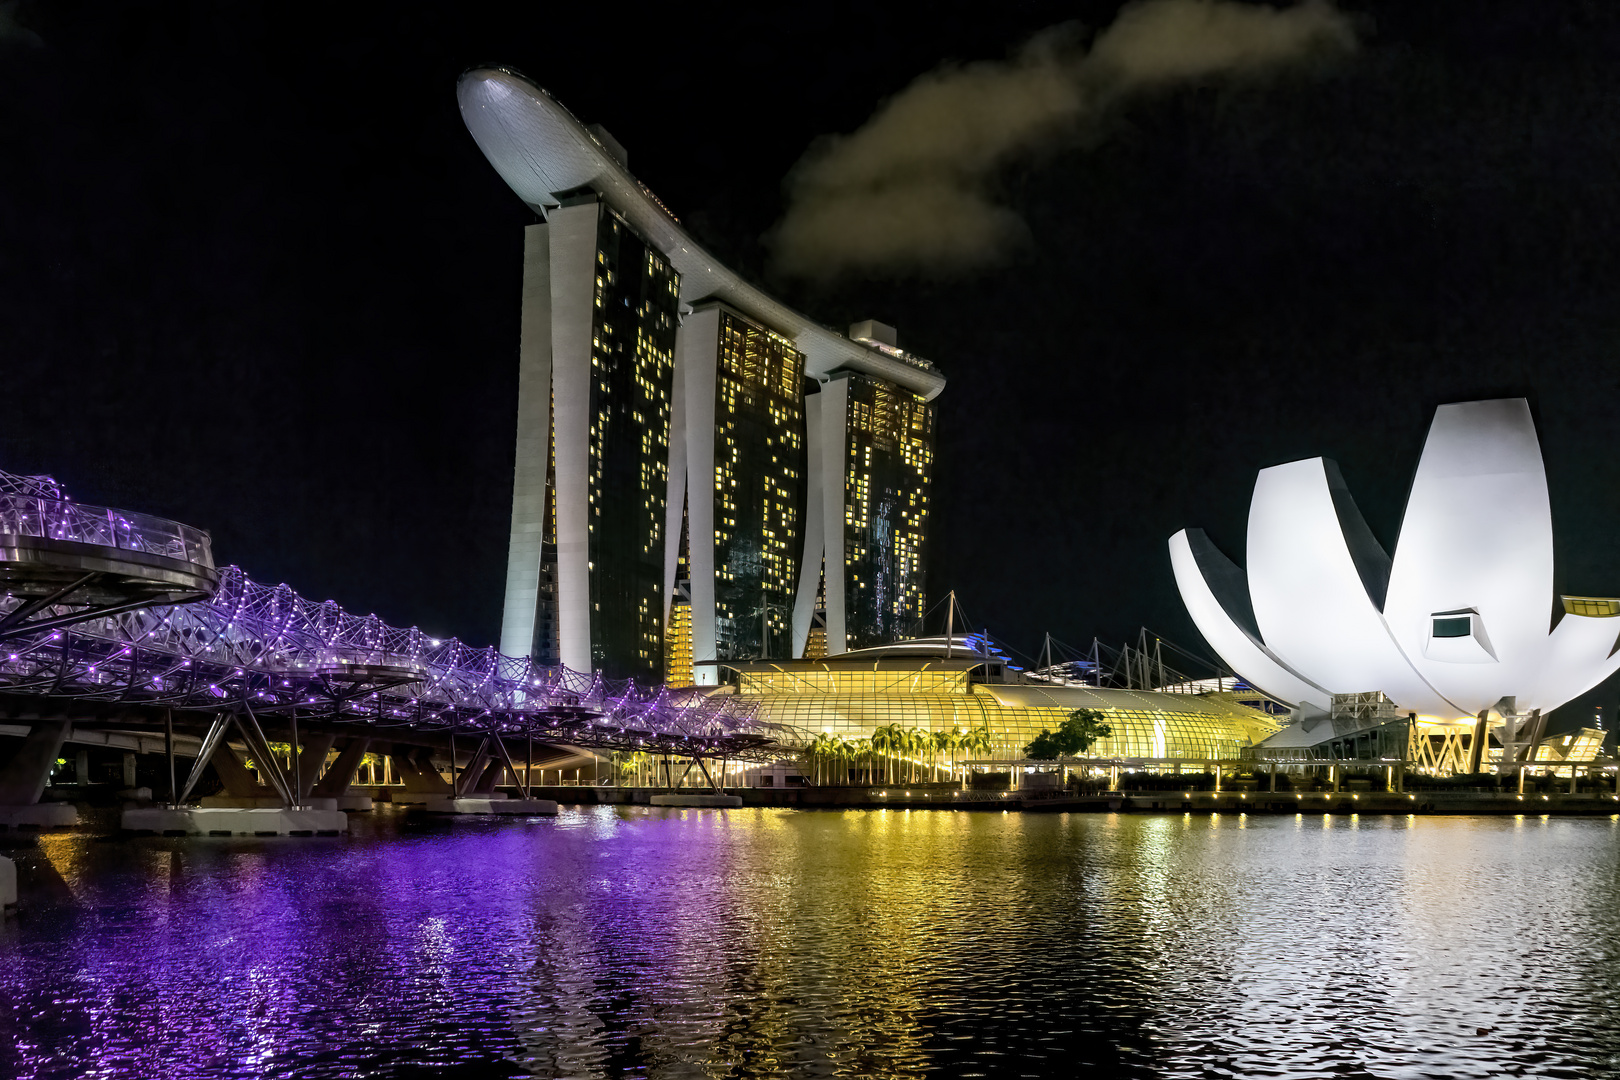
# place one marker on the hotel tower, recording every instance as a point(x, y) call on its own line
point(703, 474)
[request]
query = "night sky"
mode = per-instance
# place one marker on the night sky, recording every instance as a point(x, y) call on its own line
point(256, 276)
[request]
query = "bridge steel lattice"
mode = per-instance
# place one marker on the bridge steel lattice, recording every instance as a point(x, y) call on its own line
point(252, 651)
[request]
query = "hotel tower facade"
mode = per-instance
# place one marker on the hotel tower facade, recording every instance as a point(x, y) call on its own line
point(703, 474)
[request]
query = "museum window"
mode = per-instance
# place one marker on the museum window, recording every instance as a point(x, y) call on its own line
point(1454, 626)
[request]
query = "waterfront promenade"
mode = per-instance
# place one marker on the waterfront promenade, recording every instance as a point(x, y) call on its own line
point(1480, 801)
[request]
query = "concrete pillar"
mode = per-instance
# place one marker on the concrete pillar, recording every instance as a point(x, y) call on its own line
point(129, 769)
point(338, 778)
point(417, 773)
point(813, 531)
point(524, 551)
point(572, 279)
point(23, 778)
point(239, 782)
point(1274, 776)
point(485, 783)
point(834, 443)
point(312, 753)
point(81, 768)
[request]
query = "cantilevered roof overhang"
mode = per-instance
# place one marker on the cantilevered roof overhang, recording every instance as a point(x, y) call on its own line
point(540, 150)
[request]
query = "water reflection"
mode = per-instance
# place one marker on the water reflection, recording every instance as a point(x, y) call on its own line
point(628, 941)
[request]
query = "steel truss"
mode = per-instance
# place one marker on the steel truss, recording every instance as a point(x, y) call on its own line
point(256, 651)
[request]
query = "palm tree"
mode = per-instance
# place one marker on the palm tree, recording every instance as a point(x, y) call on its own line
point(862, 749)
point(947, 741)
point(889, 740)
point(978, 740)
point(882, 740)
point(820, 750)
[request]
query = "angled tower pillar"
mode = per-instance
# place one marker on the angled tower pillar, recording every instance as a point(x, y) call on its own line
point(526, 557)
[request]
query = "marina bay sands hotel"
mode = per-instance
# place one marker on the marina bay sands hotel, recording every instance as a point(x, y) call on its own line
point(703, 474)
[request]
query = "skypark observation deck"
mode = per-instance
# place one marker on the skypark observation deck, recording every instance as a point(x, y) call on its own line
point(110, 618)
point(543, 153)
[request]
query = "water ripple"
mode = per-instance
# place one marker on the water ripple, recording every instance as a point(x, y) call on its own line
point(633, 942)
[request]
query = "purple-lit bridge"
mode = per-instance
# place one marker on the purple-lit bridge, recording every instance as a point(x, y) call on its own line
point(113, 620)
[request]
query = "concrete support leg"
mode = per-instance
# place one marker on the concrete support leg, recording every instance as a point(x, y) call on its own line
point(417, 773)
point(311, 757)
point(494, 770)
point(239, 782)
point(129, 769)
point(23, 778)
point(338, 778)
point(81, 768)
point(470, 774)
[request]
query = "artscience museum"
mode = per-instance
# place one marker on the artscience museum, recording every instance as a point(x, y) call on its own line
point(1458, 632)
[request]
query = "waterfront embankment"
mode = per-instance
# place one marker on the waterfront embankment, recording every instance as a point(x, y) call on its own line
point(949, 797)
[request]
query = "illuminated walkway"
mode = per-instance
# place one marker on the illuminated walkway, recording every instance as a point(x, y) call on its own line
point(124, 617)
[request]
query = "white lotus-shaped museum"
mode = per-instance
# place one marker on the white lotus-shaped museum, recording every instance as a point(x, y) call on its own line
point(1462, 616)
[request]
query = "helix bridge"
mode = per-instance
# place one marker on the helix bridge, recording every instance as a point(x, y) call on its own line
point(126, 614)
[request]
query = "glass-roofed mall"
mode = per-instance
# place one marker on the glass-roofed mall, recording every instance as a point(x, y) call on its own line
point(972, 705)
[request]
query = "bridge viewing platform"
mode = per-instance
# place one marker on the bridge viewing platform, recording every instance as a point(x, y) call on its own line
point(120, 622)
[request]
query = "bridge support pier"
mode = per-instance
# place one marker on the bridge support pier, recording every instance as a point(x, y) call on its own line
point(312, 755)
point(420, 778)
point(334, 784)
point(234, 821)
point(476, 792)
point(23, 780)
point(485, 784)
point(241, 788)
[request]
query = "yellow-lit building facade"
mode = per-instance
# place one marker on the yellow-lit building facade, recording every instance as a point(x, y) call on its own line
point(850, 700)
point(736, 493)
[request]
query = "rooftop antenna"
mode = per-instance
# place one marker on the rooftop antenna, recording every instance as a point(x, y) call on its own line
point(950, 622)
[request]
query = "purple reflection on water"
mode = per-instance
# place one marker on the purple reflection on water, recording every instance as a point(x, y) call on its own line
point(625, 941)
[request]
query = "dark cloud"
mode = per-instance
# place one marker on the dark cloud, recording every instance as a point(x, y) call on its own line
point(909, 190)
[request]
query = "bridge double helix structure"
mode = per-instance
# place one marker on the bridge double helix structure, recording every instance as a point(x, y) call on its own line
point(128, 611)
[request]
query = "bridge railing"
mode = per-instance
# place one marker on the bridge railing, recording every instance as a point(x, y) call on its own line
point(280, 652)
point(267, 648)
point(59, 519)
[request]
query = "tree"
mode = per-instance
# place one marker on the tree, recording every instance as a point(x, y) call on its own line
point(1044, 747)
point(1080, 732)
point(948, 741)
point(918, 742)
point(886, 740)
